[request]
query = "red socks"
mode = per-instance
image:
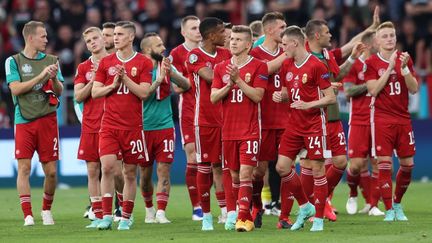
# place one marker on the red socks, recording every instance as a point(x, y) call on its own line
point(307, 182)
point(148, 198)
point(245, 196)
point(47, 201)
point(385, 182)
point(365, 185)
point(256, 194)
point(204, 182)
point(25, 201)
point(162, 200)
point(375, 191)
point(291, 183)
point(231, 202)
point(191, 183)
point(320, 195)
point(107, 202)
point(127, 209)
point(403, 179)
point(333, 175)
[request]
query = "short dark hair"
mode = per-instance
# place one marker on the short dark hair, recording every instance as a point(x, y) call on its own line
point(271, 17)
point(126, 25)
point(242, 29)
point(208, 25)
point(314, 26)
point(144, 42)
point(108, 25)
point(187, 18)
point(294, 31)
point(256, 27)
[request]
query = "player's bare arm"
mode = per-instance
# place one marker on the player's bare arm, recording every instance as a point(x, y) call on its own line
point(179, 80)
point(141, 90)
point(346, 49)
point(281, 96)
point(207, 74)
point(57, 85)
point(352, 90)
point(219, 94)
point(410, 80)
point(19, 88)
point(100, 90)
point(328, 99)
point(255, 94)
point(274, 65)
point(346, 66)
point(375, 86)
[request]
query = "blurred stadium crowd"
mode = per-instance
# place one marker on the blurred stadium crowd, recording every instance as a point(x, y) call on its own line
point(66, 19)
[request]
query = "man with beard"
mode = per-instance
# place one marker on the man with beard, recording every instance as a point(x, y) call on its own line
point(158, 128)
point(108, 35)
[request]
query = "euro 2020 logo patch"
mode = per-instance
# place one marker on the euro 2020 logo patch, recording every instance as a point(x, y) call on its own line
point(193, 58)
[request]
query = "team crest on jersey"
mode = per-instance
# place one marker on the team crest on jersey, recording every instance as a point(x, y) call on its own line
point(226, 78)
point(88, 76)
point(360, 75)
point(111, 71)
point(304, 78)
point(193, 58)
point(247, 77)
point(289, 76)
point(26, 68)
point(134, 71)
point(381, 72)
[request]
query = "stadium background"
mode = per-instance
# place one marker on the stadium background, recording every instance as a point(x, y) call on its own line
point(66, 19)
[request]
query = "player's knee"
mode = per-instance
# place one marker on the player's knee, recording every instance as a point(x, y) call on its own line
point(51, 175)
point(282, 170)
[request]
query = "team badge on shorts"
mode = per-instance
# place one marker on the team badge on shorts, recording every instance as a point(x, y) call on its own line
point(193, 58)
point(226, 78)
point(247, 77)
point(134, 71)
point(304, 78)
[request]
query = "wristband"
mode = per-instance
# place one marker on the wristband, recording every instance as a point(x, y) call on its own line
point(351, 60)
point(405, 71)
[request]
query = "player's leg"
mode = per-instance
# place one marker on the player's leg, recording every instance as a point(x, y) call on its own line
point(107, 189)
point(231, 181)
point(24, 150)
point(191, 180)
point(146, 186)
point(258, 183)
point(129, 193)
point(320, 193)
point(244, 219)
point(219, 191)
point(118, 185)
point(93, 172)
point(375, 191)
point(364, 184)
point(50, 183)
point(353, 180)
point(162, 191)
point(23, 187)
point(203, 174)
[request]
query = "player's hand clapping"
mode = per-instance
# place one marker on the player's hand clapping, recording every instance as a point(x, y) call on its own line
point(392, 61)
point(404, 57)
point(233, 72)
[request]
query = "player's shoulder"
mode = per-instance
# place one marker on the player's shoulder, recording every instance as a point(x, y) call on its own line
point(141, 57)
point(222, 64)
point(109, 58)
point(256, 61)
point(223, 51)
point(373, 59)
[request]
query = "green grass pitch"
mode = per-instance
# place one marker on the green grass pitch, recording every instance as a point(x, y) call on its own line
point(69, 206)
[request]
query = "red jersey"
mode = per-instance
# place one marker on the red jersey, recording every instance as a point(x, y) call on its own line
point(178, 57)
point(274, 114)
point(391, 104)
point(332, 59)
point(359, 105)
point(206, 113)
point(93, 108)
point(241, 116)
point(123, 109)
point(305, 83)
